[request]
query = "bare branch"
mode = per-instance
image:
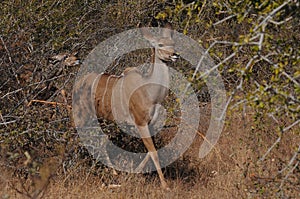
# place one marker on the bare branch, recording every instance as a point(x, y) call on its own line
point(291, 160)
point(219, 64)
point(283, 72)
point(270, 15)
point(6, 49)
point(12, 92)
point(290, 126)
point(9, 122)
point(270, 149)
point(278, 140)
point(288, 174)
point(280, 22)
point(223, 20)
point(33, 84)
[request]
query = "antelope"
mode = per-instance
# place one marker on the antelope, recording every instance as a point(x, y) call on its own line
point(135, 97)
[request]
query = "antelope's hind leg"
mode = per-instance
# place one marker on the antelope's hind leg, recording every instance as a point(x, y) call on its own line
point(142, 165)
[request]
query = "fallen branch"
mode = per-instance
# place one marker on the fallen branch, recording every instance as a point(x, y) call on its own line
point(51, 103)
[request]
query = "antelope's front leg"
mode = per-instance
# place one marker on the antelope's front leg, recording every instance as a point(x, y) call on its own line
point(148, 142)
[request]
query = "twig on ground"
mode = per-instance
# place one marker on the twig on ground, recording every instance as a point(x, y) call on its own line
point(51, 103)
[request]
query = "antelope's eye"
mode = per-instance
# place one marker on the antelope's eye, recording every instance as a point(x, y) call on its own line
point(160, 45)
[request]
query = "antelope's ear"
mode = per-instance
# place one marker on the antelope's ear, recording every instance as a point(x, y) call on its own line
point(167, 32)
point(147, 35)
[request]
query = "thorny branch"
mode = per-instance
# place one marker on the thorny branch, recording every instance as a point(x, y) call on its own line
point(256, 38)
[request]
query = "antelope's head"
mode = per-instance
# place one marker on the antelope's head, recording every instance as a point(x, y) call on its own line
point(164, 46)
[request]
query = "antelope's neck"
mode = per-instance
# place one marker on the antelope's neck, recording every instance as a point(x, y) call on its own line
point(159, 73)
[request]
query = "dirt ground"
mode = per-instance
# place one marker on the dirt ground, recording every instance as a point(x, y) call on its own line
point(233, 169)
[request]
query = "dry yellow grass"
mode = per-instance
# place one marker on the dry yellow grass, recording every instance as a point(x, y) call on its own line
point(231, 170)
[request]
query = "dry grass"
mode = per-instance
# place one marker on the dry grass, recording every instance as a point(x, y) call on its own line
point(231, 170)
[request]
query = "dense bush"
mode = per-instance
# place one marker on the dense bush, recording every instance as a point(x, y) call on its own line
point(255, 45)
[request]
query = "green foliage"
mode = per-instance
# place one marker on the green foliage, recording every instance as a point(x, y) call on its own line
point(265, 65)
